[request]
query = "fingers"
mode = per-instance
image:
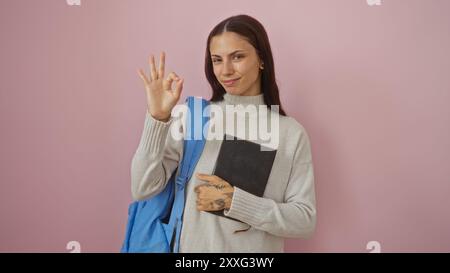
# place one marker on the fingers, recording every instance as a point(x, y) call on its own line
point(178, 88)
point(162, 61)
point(213, 179)
point(167, 84)
point(172, 77)
point(153, 74)
point(197, 189)
point(208, 206)
point(143, 77)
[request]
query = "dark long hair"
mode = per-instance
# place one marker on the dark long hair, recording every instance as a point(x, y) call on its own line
point(254, 32)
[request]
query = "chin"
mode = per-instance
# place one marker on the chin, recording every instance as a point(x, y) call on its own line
point(232, 90)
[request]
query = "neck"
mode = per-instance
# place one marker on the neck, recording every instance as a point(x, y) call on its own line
point(244, 100)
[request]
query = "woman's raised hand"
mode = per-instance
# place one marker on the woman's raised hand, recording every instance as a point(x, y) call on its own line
point(161, 98)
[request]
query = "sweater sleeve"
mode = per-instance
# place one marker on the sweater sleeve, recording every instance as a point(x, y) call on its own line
point(295, 217)
point(156, 157)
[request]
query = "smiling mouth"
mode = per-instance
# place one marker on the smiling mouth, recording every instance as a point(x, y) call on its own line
point(230, 82)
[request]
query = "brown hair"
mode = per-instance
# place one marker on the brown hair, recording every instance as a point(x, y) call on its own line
point(254, 32)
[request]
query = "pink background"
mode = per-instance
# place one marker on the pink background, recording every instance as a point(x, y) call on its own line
point(369, 83)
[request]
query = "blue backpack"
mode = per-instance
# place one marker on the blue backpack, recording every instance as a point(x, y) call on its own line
point(154, 225)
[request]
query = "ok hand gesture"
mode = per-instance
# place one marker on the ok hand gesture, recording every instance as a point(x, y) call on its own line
point(161, 98)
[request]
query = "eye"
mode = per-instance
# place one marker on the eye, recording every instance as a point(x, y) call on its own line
point(215, 60)
point(239, 56)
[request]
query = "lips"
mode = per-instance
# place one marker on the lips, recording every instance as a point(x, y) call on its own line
point(230, 82)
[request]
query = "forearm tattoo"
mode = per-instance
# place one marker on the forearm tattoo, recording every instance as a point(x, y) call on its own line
point(220, 204)
point(229, 195)
point(219, 187)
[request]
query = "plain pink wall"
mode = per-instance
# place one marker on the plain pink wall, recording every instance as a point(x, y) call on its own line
point(369, 83)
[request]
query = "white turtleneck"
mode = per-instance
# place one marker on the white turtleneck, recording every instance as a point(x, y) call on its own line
point(286, 210)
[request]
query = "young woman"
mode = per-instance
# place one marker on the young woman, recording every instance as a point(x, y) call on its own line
point(240, 69)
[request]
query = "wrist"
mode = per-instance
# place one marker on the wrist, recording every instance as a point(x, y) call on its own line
point(162, 118)
point(229, 199)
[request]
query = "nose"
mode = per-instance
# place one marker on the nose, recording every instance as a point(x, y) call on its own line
point(228, 68)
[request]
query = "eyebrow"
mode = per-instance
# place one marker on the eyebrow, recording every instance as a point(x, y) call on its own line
point(214, 55)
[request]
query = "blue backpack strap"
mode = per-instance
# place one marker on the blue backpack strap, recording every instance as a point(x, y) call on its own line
point(131, 217)
point(193, 146)
point(195, 140)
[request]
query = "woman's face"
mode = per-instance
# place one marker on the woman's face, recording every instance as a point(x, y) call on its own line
point(235, 58)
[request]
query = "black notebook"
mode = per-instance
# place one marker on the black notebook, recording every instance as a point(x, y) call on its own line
point(244, 164)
